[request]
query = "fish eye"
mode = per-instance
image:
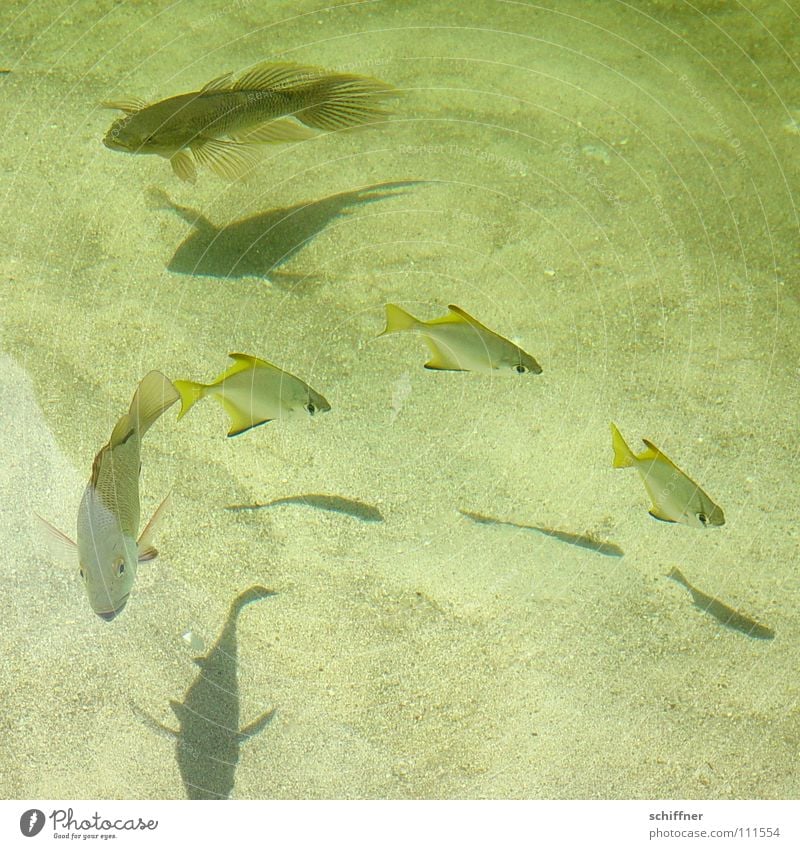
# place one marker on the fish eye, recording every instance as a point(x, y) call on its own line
point(520, 369)
point(702, 518)
point(311, 408)
point(81, 573)
point(119, 568)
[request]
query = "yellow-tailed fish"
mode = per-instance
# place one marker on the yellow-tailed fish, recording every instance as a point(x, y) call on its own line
point(459, 342)
point(254, 392)
point(674, 495)
point(108, 516)
point(221, 125)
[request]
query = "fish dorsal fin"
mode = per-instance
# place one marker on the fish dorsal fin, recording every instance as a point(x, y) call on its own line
point(653, 453)
point(153, 396)
point(183, 166)
point(442, 359)
point(228, 159)
point(457, 314)
point(277, 75)
point(246, 361)
point(128, 105)
point(221, 83)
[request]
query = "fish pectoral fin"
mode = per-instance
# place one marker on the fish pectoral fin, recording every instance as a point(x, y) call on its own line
point(128, 105)
point(147, 551)
point(183, 166)
point(257, 724)
point(58, 543)
point(229, 159)
point(662, 517)
point(280, 130)
point(442, 360)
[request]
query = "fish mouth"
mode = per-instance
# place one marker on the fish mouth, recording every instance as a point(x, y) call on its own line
point(108, 615)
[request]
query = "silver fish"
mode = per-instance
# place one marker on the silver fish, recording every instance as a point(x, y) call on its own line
point(675, 496)
point(459, 342)
point(108, 516)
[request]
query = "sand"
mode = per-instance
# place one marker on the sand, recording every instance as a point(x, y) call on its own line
point(613, 187)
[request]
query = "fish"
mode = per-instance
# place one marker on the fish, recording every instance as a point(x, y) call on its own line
point(108, 515)
point(334, 503)
point(253, 392)
point(459, 342)
point(222, 125)
point(727, 616)
point(209, 737)
point(674, 495)
point(592, 543)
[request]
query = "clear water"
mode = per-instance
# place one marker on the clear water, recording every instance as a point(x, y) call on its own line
point(611, 185)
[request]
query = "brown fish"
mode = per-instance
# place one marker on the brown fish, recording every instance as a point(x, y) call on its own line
point(221, 125)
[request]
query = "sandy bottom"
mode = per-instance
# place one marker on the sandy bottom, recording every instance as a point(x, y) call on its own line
point(614, 190)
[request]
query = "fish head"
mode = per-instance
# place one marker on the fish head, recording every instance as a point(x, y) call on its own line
point(524, 363)
point(709, 516)
point(136, 133)
point(108, 571)
point(107, 555)
point(315, 403)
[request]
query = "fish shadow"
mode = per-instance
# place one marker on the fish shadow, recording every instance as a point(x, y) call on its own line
point(259, 245)
point(209, 736)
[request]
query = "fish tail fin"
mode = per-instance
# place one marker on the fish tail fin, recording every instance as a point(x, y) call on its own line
point(623, 456)
point(398, 319)
point(338, 101)
point(153, 396)
point(189, 392)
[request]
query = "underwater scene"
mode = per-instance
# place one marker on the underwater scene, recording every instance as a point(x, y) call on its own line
point(399, 399)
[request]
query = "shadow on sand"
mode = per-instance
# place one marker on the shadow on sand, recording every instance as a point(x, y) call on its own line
point(208, 736)
point(257, 246)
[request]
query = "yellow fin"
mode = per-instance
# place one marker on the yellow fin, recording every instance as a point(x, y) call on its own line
point(183, 166)
point(397, 319)
point(240, 422)
point(457, 315)
point(228, 159)
point(652, 453)
point(662, 517)
point(189, 392)
point(623, 456)
point(245, 361)
point(441, 360)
